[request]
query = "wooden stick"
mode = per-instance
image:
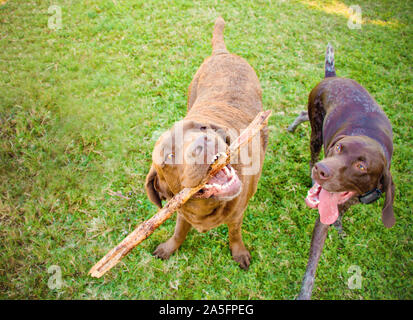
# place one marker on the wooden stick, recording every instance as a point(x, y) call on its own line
point(146, 228)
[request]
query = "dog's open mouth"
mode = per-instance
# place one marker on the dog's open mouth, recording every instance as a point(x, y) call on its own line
point(326, 202)
point(225, 185)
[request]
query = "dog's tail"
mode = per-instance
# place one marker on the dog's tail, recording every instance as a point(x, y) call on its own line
point(330, 71)
point(218, 44)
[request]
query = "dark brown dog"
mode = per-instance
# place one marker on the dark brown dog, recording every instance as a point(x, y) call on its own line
point(224, 97)
point(358, 146)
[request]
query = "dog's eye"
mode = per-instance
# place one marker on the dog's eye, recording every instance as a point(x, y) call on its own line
point(338, 147)
point(361, 166)
point(170, 156)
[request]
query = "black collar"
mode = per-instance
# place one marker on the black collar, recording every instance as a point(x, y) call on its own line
point(370, 196)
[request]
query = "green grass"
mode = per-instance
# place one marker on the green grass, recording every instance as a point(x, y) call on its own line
point(81, 108)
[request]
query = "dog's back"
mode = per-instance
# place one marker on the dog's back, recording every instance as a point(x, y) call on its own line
point(349, 109)
point(225, 86)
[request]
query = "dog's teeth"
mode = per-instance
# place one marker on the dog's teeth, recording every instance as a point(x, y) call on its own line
point(227, 171)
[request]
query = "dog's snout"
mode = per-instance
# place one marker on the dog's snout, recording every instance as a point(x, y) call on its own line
point(203, 148)
point(197, 151)
point(323, 171)
point(198, 146)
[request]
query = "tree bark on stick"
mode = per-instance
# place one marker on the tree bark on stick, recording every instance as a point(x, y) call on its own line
point(146, 228)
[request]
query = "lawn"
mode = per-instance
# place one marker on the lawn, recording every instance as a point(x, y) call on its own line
point(82, 106)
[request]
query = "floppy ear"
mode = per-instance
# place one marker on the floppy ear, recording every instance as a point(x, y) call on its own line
point(151, 185)
point(387, 214)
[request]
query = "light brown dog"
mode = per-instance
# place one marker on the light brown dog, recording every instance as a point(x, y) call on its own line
point(223, 98)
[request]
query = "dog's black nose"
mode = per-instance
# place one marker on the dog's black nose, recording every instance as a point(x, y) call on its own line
point(323, 171)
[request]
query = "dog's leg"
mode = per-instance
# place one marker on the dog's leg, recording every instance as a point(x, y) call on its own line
point(303, 117)
point(338, 225)
point(238, 250)
point(164, 250)
point(342, 208)
point(317, 243)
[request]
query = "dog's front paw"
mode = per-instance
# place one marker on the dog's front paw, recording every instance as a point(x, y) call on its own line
point(242, 256)
point(164, 250)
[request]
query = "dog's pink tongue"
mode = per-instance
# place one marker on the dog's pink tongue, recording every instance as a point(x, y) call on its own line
point(328, 206)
